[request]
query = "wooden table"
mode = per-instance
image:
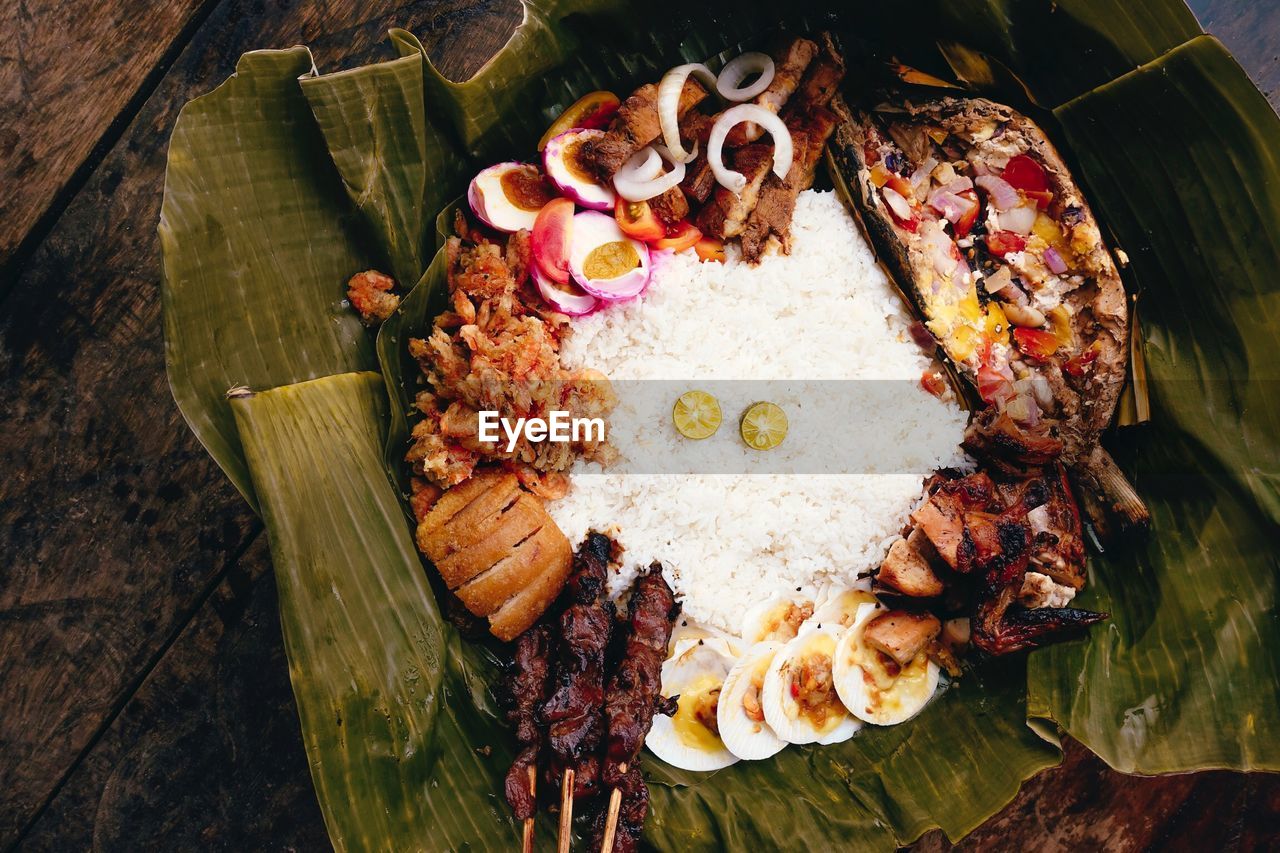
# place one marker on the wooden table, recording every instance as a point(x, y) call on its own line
point(144, 698)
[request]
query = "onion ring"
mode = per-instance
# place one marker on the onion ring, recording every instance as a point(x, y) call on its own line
point(669, 104)
point(728, 84)
point(783, 152)
point(641, 178)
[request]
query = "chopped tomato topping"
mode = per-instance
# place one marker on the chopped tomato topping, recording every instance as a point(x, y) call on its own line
point(901, 186)
point(965, 223)
point(710, 249)
point(1036, 343)
point(1002, 243)
point(1041, 197)
point(931, 380)
point(1024, 173)
point(638, 221)
point(683, 235)
point(1078, 365)
point(993, 386)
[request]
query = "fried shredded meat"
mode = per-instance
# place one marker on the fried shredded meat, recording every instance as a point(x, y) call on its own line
point(498, 350)
point(370, 294)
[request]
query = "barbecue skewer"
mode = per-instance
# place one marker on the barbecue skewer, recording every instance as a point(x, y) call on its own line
point(526, 839)
point(566, 812)
point(611, 817)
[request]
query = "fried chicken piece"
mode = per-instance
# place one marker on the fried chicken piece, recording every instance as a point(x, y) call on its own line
point(370, 294)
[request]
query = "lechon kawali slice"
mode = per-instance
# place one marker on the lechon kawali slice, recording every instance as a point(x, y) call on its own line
point(523, 609)
point(520, 521)
point(473, 522)
point(515, 570)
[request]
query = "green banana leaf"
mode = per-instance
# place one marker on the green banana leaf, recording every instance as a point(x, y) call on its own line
point(284, 181)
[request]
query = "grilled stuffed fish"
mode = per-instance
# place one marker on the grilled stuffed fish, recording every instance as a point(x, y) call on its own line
point(976, 214)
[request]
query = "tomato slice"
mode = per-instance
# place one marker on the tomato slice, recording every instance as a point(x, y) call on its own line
point(901, 186)
point(1078, 365)
point(593, 110)
point(993, 386)
point(710, 249)
point(1002, 243)
point(1024, 173)
point(1036, 343)
point(931, 380)
point(638, 221)
point(683, 235)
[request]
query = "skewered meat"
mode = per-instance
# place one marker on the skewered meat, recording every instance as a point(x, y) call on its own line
point(496, 547)
point(636, 684)
point(633, 808)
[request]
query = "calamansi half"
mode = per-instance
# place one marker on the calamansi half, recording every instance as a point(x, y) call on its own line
point(696, 414)
point(763, 426)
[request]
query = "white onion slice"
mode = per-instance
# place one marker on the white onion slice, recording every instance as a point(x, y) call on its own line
point(641, 178)
point(669, 104)
point(729, 83)
point(733, 181)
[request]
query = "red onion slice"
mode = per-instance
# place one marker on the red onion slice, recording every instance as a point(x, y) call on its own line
point(1002, 193)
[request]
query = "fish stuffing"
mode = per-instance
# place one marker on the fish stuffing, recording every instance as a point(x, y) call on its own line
point(976, 214)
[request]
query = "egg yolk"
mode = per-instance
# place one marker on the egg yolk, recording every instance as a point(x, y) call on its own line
point(695, 719)
point(525, 188)
point(610, 260)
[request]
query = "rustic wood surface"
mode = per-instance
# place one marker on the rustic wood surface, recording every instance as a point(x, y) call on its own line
point(144, 699)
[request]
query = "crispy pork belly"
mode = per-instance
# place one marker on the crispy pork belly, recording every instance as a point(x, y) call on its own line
point(726, 214)
point(634, 127)
point(789, 64)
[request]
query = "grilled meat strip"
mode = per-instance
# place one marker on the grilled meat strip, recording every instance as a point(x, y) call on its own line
point(635, 685)
point(572, 712)
point(526, 688)
point(789, 64)
point(811, 125)
point(635, 126)
point(979, 219)
point(633, 808)
point(725, 215)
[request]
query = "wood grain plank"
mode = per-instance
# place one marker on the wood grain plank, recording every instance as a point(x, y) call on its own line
point(68, 68)
point(115, 522)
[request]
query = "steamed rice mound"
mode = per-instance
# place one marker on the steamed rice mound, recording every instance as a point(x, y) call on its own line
point(826, 311)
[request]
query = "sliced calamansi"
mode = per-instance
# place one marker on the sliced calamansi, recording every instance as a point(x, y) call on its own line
point(696, 414)
point(763, 426)
point(799, 701)
point(691, 740)
point(871, 685)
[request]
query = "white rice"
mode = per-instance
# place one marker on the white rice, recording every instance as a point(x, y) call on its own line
point(824, 312)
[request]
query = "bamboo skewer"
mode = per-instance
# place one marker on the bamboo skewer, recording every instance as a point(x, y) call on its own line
point(611, 818)
point(566, 812)
point(526, 843)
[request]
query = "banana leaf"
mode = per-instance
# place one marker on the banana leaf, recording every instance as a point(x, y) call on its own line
point(329, 174)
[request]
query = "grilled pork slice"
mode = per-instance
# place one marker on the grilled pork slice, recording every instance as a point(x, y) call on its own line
point(497, 549)
point(978, 217)
point(726, 214)
point(789, 64)
point(811, 125)
point(635, 126)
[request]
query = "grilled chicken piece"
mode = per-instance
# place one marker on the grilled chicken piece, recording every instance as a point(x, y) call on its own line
point(726, 214)
point(906, 571)
point(497, 549)
point(942, 517)
point(789, 64)
point(635, 126)
point(940, 229)
point(901, 635)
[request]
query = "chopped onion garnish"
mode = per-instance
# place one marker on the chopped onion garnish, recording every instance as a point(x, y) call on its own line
point(669, 104)
point(729, 83)
point(733, 181)
point(641, 178)
point(1003, 195)
point(1019, 220)
point(1054, 261)
point(896, 203)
